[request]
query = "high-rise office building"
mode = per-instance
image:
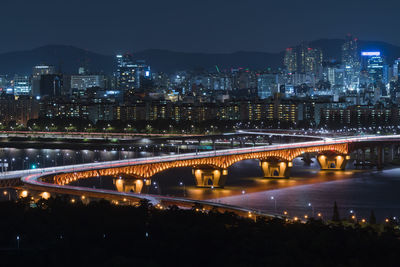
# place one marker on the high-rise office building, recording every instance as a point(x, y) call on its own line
point(130, 73)
point(126, 76)
point(373, 64)
point(396, 69)
point(350, 53)
point(351, 62)
point(51, 85)
point(83, 82)
point(22, 85)
point(37, 72)
point(142, 72)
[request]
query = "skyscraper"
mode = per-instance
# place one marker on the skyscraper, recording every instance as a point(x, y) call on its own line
point(303, 59)
point(373, 64)
point(351, 62)
point(51, 85)
point(130, 73)
point(37, 72)
point(375, 69)
point(350, 53)
point(312, 60)
point(396, 69)
point(290, 60)
point(125, 75)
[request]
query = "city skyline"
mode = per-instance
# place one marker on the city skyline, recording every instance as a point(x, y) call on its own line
point(147, 132)
point(196, 27)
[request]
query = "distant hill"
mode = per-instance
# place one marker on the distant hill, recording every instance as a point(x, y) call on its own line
point(69, 58)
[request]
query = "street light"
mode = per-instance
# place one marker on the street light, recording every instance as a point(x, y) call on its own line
point(274, 199)
point(184, 188)
point(5, 193)
point(12, 160)
point(312, 207)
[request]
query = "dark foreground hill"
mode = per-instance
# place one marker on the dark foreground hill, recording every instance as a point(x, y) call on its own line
point(60, 233)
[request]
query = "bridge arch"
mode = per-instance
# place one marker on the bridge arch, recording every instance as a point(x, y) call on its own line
point(218, 162)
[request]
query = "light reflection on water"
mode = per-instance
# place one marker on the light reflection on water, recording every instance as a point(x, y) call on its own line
point(365, 191)
point(18, 159)
point(358, 190)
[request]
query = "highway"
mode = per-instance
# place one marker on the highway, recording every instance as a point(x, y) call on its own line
point(85, 135)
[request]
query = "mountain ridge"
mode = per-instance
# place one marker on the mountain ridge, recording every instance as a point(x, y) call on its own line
point(68, 58)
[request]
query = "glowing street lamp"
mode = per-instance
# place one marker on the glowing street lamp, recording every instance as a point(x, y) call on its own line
point(274, 199)
point(5, 193)
point(312, 207)
point(184, 188)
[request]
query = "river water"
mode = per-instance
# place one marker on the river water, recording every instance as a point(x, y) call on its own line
point(308, 191)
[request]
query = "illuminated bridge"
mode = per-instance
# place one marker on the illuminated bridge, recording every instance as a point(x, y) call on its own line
point(210, 169)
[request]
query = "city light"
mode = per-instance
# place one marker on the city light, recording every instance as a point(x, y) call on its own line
point(102, 132)
point(45, 195)
point(370, 53)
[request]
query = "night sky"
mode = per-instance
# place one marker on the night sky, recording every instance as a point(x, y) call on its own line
point(110, 26)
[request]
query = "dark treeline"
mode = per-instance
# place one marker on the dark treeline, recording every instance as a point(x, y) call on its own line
point(59, 233)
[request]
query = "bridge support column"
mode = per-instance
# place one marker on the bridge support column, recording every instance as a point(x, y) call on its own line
point(209, 176)
point(363, 155)
point(276, 169)
point(391, 153)
point(333, 162)
point(380, 157)
point(131, 184)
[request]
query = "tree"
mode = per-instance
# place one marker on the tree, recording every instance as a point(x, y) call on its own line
point(372, 218)
point(335, 217)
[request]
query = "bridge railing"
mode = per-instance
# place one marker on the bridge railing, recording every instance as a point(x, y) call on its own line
point(198, 155)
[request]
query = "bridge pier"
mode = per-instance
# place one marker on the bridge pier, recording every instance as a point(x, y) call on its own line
point(332, 161)
point(380, 157)
point(131, 184)
point(363, 155)
point(275, 168)
point(209, 176)
point(391, 153)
